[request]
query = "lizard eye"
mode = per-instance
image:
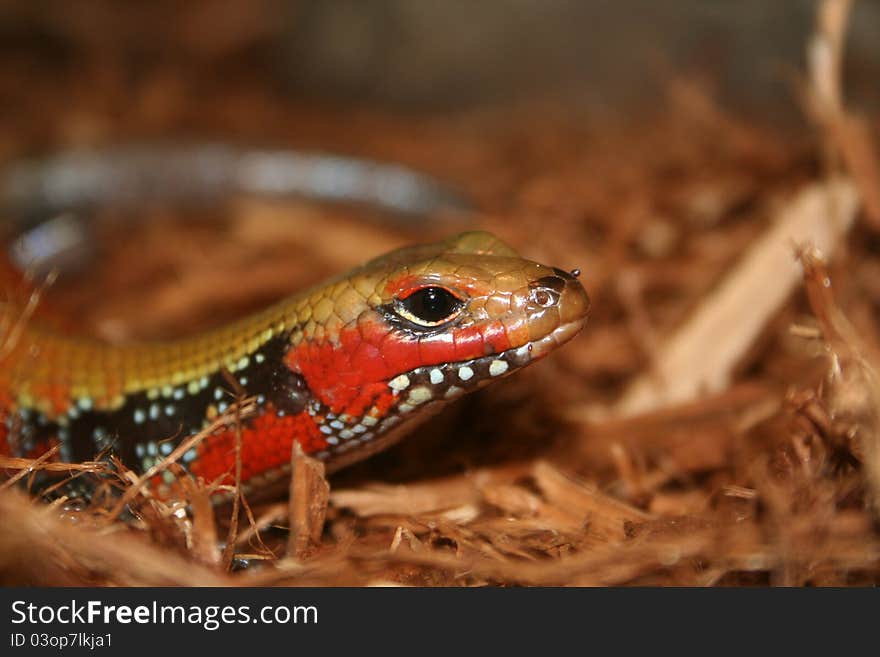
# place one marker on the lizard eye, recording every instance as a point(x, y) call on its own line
point(429, 306)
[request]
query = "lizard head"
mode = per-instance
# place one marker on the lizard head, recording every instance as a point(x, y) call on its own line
point(427, 324)
point(474, 297)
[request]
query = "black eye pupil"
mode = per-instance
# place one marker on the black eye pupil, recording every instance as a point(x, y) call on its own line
point(431, 304)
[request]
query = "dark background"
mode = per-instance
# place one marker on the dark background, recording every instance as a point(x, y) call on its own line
point(455, 53)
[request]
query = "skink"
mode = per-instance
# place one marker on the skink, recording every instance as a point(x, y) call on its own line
point(344, 368)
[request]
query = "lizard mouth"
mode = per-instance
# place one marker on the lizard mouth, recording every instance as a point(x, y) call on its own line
point(449, 381)
point(430, 386)
point(556, 338)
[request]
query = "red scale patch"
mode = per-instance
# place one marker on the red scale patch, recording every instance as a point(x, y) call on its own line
point(348, 377)
point(265, 445)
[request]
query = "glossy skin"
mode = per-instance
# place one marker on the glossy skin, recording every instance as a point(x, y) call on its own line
point(343, 368)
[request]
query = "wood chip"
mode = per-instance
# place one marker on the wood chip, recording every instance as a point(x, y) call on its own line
point(606, 515)
point(699, 358)
point(309, 495)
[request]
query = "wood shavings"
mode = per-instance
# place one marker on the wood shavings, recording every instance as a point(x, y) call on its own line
point(756, 465)
point(309, 493)
point(853, 372)
point(606, 516)
point(700, 357)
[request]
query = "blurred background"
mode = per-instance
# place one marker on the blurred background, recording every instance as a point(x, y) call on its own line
point(444, 55)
